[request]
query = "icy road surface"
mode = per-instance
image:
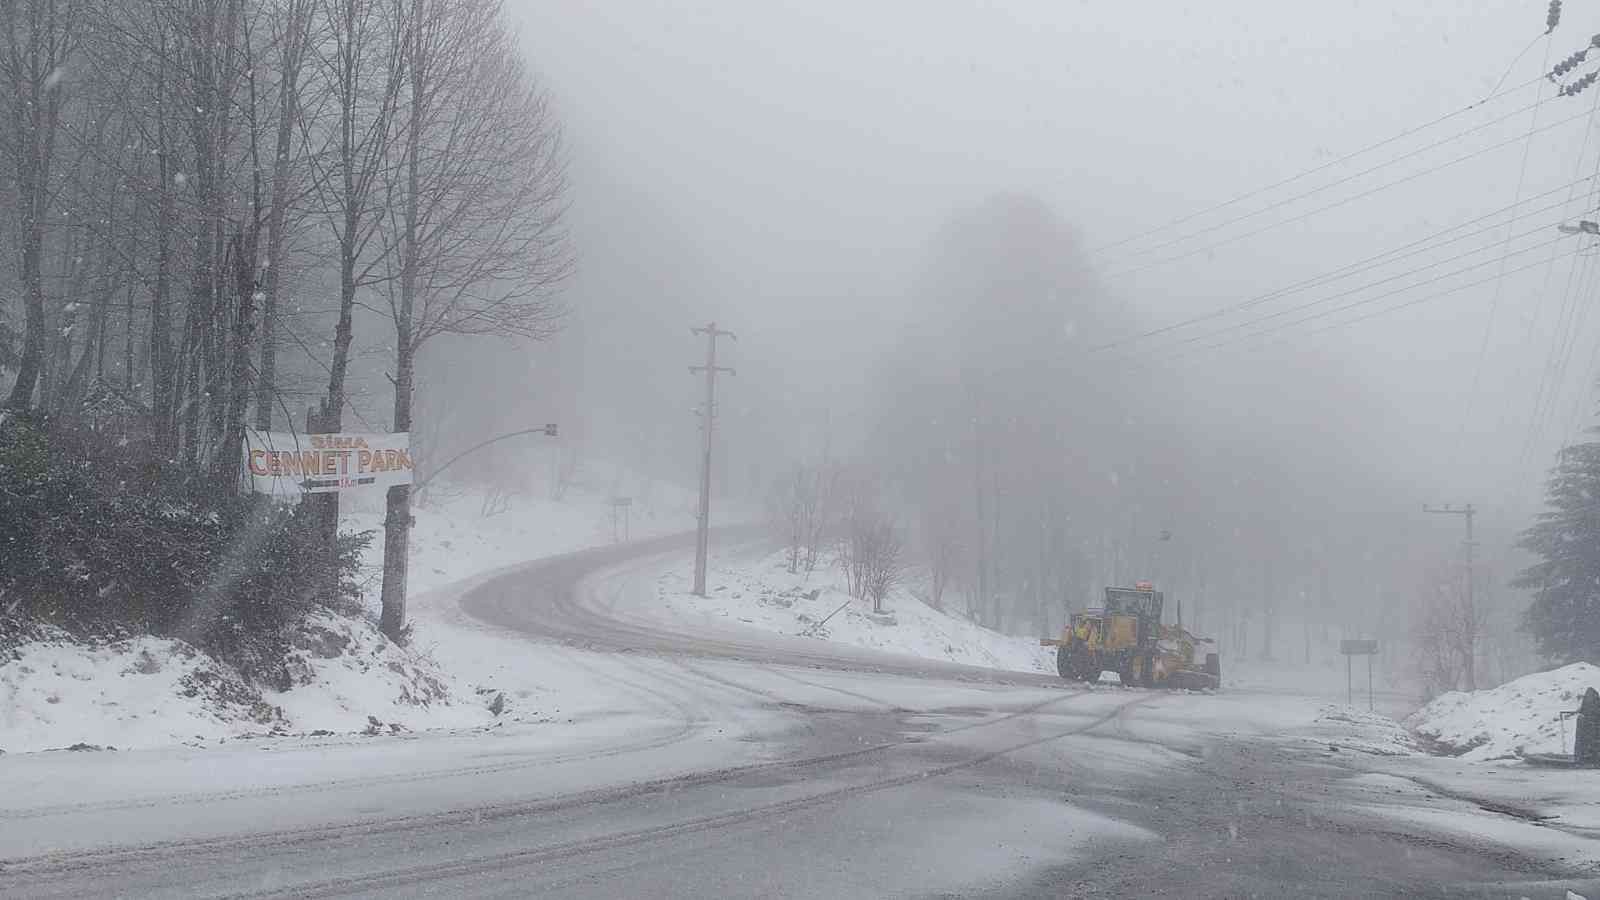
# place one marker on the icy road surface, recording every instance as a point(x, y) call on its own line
point(740, 763)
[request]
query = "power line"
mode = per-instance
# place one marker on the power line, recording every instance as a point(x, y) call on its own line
point(1278, 204)
point(1499, 284)
point(1322, 301)
point(1530, 436)
point(1564, 324)
point(1185, 219)
point(1415, 248)
point(1335, 205)
point(1582, 308)
point(1552, 373)
point(1358, 289)
point(1384, 311)
point(1585, 392)
point(1435, 296)
point(1533, 324)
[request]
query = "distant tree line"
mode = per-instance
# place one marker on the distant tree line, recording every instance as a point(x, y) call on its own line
point(1026, 467)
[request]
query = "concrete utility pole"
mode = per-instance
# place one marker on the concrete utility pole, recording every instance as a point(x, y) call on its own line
point(708, 418)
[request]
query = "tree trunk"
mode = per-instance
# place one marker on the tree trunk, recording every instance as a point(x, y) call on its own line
point(33, 305)
point(1269, 609)
point(291, 57)
point(397, 505)
point(29, 58)
point(228, 460)
point(163, 375)
point(127, 347)
point(397, 511)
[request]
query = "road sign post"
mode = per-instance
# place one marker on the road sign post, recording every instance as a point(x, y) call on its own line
point(620, 507)
point(1367, 648)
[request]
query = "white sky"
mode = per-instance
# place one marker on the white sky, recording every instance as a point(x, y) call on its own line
point(781, 165)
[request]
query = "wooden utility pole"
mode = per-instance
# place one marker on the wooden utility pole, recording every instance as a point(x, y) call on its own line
point(708, 418)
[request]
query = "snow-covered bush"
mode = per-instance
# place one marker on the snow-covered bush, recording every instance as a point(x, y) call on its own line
point(96, 539)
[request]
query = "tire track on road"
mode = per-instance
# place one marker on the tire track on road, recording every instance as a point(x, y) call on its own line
point(53, 863)
point(555, 853)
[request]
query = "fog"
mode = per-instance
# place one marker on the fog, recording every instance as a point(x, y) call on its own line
point(794, 172)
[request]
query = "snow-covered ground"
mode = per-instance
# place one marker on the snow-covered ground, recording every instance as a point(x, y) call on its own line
point(57, 692)
point(1349, 728)
point(460, 534)
point(1519, 717)
point(761, 592)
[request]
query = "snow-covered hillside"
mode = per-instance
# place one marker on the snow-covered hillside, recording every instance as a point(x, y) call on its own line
point(462, 533)
point(56, 691)
point(762, 593)
point(144, 691)
point(1518, 717)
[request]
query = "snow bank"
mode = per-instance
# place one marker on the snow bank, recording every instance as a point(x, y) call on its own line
point(762, 593)
point(57, 692)
point(1516, 718)
point(352, 678)
point(1347, 728)
point(466, 533)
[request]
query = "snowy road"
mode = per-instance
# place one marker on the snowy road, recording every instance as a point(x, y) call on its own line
point(735, 763)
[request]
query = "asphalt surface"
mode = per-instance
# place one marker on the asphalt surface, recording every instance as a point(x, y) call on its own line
point(915, 779)
point(544, 599)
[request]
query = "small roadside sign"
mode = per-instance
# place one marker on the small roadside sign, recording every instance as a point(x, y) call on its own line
point(620, 507)
point(1351, 649)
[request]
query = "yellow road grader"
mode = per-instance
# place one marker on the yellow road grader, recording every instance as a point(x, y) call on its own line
point(1126, 636)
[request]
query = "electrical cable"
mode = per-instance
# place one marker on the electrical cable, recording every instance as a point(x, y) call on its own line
point(1278, 204)
point(1360, 288)
point(1499, 285)
point(1185, 219)
point(1339, 203)
point(1378, 260)
point(1359, 303)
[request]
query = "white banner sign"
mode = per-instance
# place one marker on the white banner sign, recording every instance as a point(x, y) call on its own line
point(286, 464)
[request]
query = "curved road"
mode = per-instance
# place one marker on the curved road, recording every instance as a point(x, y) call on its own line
point(772, 767)
point(560, 599)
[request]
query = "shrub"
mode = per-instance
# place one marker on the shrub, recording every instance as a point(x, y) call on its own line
point(95, 538)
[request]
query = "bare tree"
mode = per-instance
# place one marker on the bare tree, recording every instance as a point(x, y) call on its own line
point(478, 238)
point(799, 510)
point(1447, 631)
point(871, 549)
point(360, 61)
point(942, 547)
point(39, 37)
point(291, 24)
point(783, 514)
point(819, 510)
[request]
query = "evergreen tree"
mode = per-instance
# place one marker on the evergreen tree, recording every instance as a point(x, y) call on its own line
point(1564, 617)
